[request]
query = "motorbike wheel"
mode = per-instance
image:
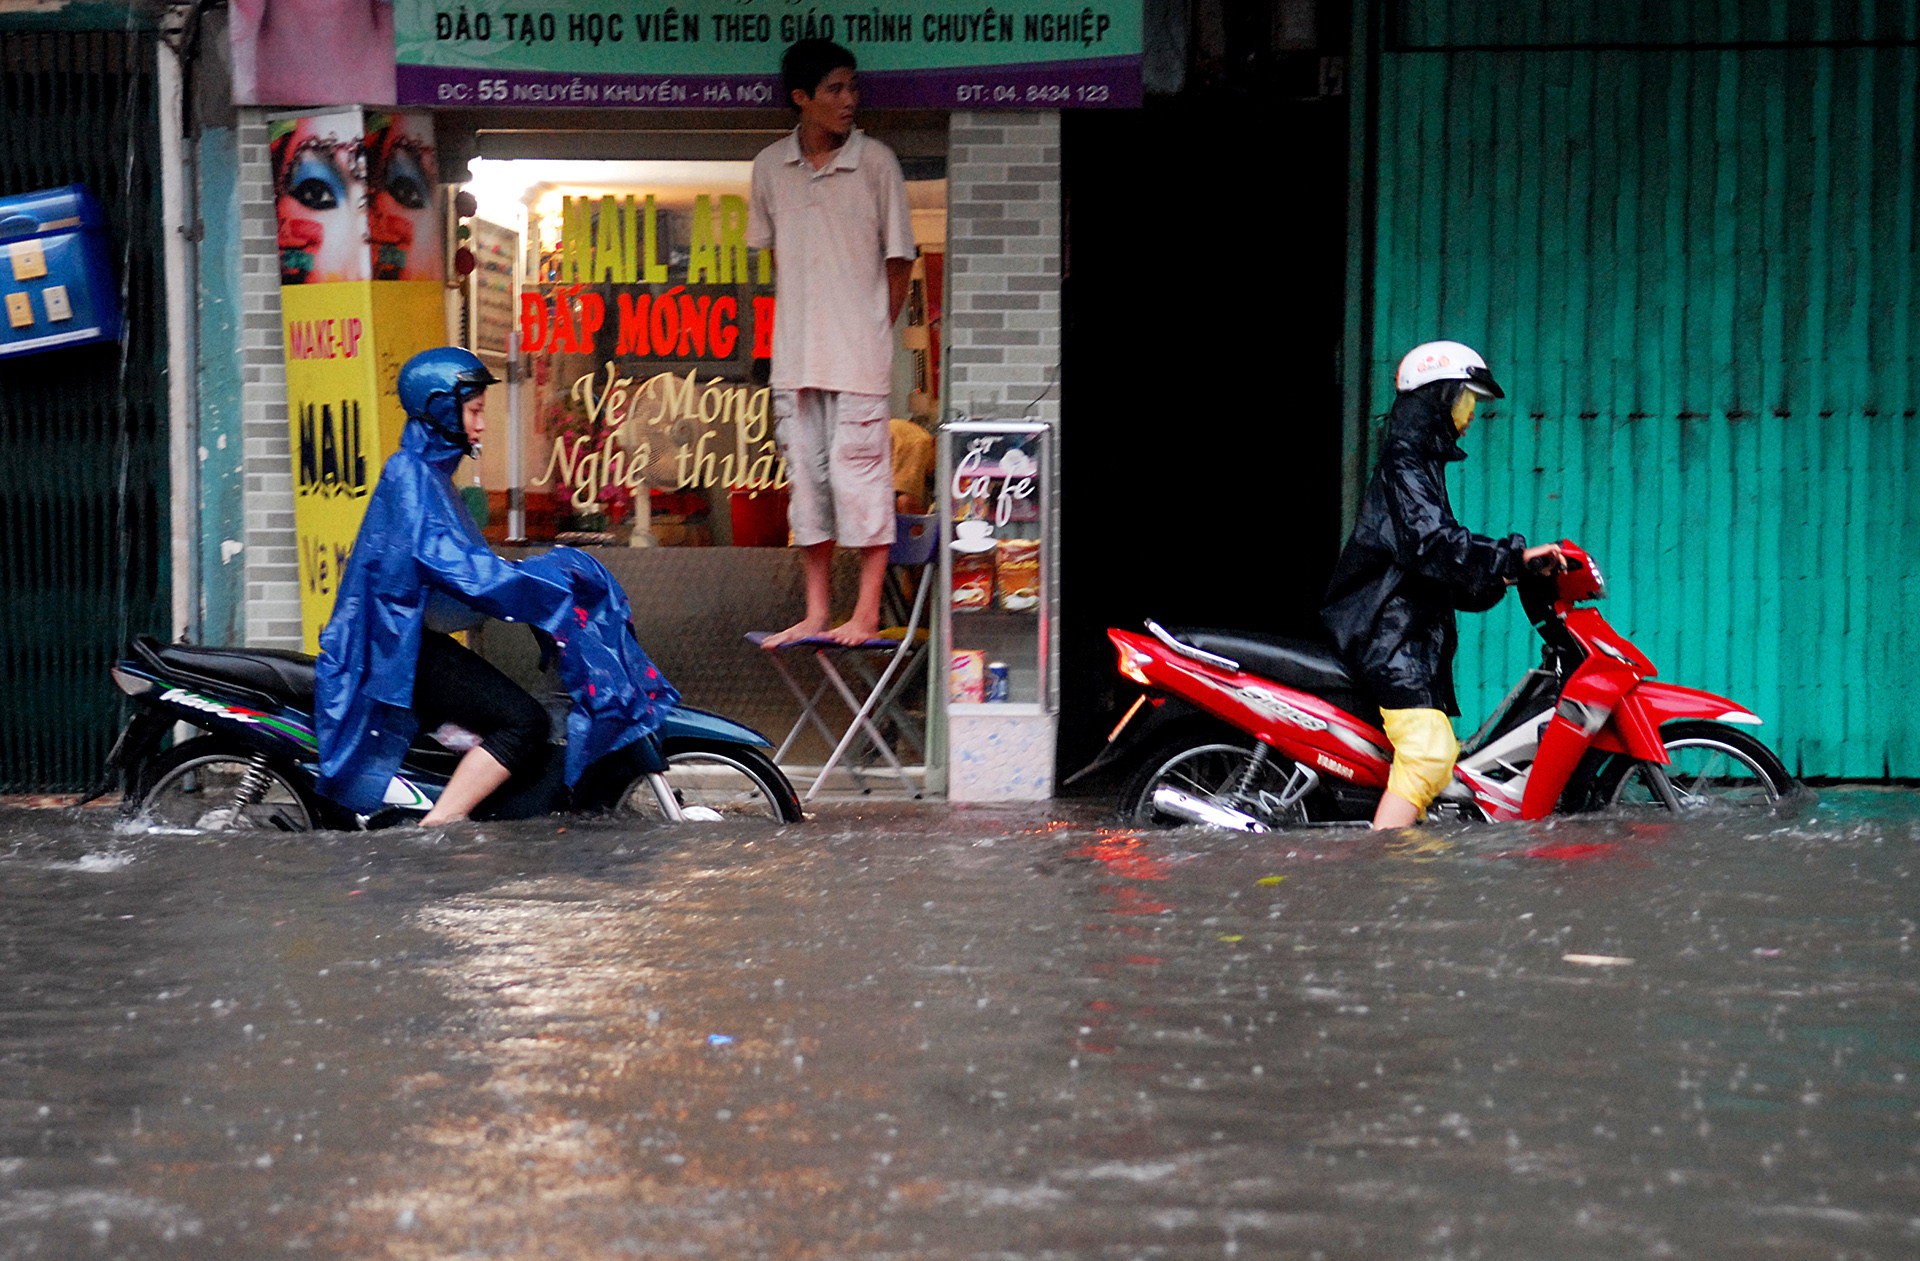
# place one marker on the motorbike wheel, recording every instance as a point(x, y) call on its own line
point(731, 781)
point(194, 784)
point(1217, 773)
point(1715, 769)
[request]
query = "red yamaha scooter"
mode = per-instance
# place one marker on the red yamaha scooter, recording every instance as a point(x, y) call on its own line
point(1255, 732)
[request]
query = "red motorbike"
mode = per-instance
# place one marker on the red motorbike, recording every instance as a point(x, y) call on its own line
point(1256, 732)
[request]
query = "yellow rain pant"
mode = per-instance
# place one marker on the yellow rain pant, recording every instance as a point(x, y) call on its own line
point(1424, 751)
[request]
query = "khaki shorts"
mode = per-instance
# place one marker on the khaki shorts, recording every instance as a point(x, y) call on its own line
point(839, 453)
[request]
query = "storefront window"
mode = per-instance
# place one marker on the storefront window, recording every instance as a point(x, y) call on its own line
point(644, 325)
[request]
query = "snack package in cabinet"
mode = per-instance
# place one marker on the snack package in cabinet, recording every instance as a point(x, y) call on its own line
point(972, 581)
point(1017, 575)
point(967, 676)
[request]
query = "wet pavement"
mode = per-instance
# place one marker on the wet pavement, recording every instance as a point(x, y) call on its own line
point(936, 1032)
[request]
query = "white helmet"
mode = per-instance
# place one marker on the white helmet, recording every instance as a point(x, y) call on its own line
point(1447, 361)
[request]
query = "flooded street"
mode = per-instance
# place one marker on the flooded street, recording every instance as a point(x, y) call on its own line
point(939, 1032)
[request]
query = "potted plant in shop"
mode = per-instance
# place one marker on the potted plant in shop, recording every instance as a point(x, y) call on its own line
point(616, 503)
point(569, 424)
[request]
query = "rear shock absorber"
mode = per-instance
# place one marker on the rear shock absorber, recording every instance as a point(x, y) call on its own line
point(1251, 772)
point(253, 785)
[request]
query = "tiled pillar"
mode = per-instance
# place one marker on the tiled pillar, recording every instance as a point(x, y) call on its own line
point(273, 572)
point(1002, 328)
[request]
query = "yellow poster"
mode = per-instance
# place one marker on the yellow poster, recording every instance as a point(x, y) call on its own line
point(345, 343)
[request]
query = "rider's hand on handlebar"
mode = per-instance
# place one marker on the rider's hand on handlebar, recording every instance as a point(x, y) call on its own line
point(1545, 559)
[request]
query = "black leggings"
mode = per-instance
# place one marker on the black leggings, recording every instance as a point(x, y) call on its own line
point(455, 684)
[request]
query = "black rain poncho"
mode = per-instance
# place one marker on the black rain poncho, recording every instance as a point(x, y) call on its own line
point(1409, 565)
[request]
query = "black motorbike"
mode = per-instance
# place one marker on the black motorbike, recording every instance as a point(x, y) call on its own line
point(254, 761)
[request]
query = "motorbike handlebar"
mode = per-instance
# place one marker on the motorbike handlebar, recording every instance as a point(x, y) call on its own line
point(1538, 585)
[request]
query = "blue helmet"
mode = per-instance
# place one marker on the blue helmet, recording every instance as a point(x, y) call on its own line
point(435, 385)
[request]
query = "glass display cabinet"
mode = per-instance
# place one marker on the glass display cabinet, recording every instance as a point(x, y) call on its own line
point(996, 565)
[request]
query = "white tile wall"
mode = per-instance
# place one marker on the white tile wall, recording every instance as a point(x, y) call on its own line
point(273, 577)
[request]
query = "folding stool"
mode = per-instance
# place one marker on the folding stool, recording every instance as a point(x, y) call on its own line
point(901, 646)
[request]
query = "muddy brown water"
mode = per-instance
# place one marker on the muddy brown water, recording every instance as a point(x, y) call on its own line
point(951, 1033)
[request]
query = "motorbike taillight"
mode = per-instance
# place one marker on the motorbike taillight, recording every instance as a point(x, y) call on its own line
point(130, 683)
point(1134, 663)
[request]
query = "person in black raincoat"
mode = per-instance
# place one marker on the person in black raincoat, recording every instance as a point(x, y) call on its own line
point(1410, 565)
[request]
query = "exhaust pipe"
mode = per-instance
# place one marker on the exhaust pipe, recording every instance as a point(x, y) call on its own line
point(1196, 810)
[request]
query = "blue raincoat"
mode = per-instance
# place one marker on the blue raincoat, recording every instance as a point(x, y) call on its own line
point(417, 542)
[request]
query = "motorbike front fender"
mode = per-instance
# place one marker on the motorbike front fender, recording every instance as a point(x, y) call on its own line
point(1595, 690)
point(1639, 732)
point(1632, 727)
point(1637, 719)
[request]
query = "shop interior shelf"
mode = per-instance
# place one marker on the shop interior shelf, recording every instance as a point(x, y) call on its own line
point(998, 615)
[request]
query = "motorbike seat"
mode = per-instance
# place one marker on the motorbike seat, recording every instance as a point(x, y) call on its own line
point(1302, 664)
point(284, 676)
point(1298, 663)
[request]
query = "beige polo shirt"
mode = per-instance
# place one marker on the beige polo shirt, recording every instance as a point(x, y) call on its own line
point(833, 230)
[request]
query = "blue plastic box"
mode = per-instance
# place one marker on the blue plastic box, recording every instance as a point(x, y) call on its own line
point(56, 278)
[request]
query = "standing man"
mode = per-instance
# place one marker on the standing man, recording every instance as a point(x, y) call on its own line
point(830, 202)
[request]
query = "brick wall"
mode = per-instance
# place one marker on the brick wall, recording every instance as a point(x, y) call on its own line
point(1003, 240)
point(273, 577)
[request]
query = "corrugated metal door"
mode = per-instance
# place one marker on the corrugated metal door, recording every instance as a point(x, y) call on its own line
point(83, 458)
point(1695, 270)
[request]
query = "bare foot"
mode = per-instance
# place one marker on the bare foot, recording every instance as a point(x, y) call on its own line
point(805, 628)
point(853, 633)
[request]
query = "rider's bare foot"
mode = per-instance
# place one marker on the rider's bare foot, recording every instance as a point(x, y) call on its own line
point(805, 628)
point(853, 633)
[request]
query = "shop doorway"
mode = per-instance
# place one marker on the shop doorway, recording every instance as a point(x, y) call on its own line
point(1203, 306)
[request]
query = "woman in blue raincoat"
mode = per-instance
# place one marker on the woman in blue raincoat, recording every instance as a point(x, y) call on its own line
point(419, 568)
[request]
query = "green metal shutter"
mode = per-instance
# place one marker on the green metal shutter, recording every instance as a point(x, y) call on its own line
point(1695, 270)
point(83, 432)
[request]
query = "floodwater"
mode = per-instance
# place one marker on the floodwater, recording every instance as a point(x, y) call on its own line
point(945, 1033)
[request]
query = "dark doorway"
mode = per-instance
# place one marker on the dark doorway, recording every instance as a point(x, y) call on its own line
point(1204, 299)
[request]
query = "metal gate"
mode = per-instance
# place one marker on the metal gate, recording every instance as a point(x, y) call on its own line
point(1684, 236)
point(83, 431)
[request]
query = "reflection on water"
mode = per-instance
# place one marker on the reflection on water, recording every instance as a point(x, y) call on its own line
point(957, 1033)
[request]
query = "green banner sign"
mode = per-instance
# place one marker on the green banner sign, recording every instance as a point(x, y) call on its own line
point(707, 54)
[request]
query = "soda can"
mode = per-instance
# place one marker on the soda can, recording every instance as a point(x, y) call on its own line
point(996, 681)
